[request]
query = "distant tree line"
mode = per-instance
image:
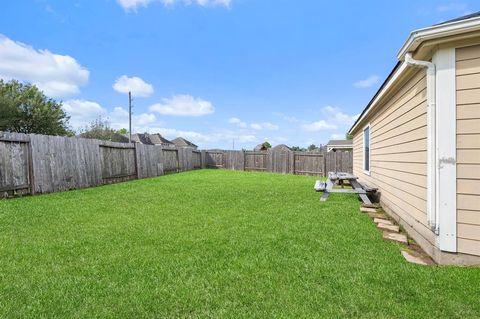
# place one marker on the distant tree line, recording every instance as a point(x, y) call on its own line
point(310, 148)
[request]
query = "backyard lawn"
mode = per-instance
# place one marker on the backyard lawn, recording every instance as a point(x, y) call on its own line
point(213, 243)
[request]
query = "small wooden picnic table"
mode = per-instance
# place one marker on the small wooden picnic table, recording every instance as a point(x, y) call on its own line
point(340, 178)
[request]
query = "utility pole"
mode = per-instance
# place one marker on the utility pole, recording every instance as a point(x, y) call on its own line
point(129, 117)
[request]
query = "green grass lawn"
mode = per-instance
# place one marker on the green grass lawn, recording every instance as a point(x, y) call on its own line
point(216, 244)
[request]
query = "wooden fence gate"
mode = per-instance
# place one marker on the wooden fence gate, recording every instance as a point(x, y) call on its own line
point(16, 175)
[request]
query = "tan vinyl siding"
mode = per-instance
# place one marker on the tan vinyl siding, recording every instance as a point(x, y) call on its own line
point(468, 149)
point(398, 153)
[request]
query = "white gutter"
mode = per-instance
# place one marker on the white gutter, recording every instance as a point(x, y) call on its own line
point(419, 36)
point(432, 212)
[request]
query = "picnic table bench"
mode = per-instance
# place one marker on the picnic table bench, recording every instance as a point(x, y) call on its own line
point(339, 178)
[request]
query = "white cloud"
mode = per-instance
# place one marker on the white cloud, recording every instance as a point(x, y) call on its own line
point(136, 85)
point(264, 126)
point(145, 119)
point(56, 75)
point(318, 126)
point(128, 5)
point(183, 105)
point(336, 115)
point(82, 112)
point(236, 121)
point(455, 6)
point(337, 136)
point(368, 82)
point(118, 118)
point(133, 5)
point(291, 119)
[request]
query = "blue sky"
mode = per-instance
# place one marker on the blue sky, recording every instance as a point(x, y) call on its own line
point(294, 72)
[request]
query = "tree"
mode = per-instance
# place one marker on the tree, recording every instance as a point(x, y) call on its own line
point(348, 136)
point(298, 149)
point(312, 148)
point(122, 131)
point(267, 145)
point(25, 109)
point(98, 129)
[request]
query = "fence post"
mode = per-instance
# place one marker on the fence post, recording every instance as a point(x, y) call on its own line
point(135, 150)
point(31, 177)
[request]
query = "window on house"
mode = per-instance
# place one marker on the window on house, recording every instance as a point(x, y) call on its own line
point(366, 149)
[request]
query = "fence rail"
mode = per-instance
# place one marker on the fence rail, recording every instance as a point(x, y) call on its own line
point(33, 163)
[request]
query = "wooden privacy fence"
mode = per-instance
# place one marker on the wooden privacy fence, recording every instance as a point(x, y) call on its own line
point(300, 163)
point(33, 163)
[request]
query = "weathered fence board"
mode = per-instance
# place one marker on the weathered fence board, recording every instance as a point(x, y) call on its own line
point(256, 161)
point(149, 160)
point(280, 162)
point(170, 160)
point(15, 161)
point(306, 163)
point(118, 163)
point(340, 161)
point(196, 159)
point(234, 160)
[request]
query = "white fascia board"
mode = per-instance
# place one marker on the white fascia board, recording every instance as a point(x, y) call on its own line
point(446, 174)
point(419, 36)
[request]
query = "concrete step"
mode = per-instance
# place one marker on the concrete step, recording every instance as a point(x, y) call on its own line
point(376, 215)
point(382, 221)
point(400, 238)
point(392, 228)
point(368, 210)
point(414, 258)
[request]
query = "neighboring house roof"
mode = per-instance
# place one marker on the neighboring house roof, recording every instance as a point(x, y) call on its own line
point(180, 141)
point(417, 42)
point(141, 138)
point(158, 139)
point(281, 147)
point(344, 143)
point(119, 138)
point(260, 147)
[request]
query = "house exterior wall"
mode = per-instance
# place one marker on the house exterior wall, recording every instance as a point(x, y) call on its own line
point(398, 156)
point(468, 149)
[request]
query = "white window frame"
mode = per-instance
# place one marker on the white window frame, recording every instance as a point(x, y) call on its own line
point(365, 171)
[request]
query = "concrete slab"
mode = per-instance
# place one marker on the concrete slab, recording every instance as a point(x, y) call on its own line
point(400, 238)
point(376, 215)
point(391, 228)
point(413, 259)
point(382, 221)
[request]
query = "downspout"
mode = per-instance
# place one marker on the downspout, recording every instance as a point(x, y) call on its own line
point(432, 212)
